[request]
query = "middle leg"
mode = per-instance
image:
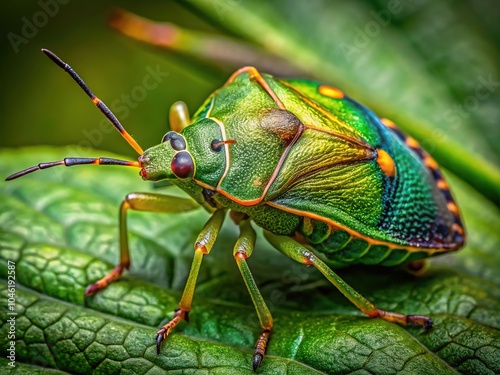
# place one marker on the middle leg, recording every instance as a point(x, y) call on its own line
point(140, 202)
point(242, 250)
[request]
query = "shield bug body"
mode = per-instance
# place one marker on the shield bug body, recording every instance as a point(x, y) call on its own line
point(315, 169)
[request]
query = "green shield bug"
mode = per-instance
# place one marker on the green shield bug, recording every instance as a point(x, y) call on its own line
point(315, 169)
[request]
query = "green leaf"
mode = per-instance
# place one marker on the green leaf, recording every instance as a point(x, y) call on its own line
point(60, 227)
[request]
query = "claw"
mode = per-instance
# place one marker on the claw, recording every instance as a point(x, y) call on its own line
point(91, 289)
point(260, 348)
point(428, 325)
point(257, 360)
point(160, 336)
point(105, 281)
point(421, 321)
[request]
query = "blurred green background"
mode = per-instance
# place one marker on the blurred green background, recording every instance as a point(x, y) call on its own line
point(42, 105)
point(422, 64)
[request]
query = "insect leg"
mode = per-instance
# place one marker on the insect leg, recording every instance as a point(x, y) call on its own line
point(203, 245)
point(179, 117)
point(297, 252)
point(140, 202)
point(242, 250)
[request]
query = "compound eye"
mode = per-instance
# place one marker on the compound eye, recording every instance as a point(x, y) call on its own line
point(183, 165)
point(176, 141)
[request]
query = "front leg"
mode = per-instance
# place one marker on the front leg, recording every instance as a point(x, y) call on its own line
point(203, 246)
point(140, 202)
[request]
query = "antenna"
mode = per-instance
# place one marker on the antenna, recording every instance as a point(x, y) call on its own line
point(68, 162)
point(98, 103)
